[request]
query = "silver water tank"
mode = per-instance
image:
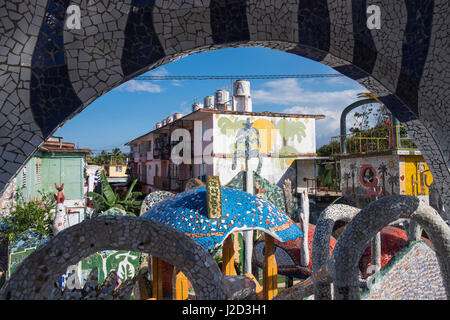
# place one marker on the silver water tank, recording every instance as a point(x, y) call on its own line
point(209, 102)
point(196, 106)
point(158, 125)
point(221, 97)
point(177, 116)
point(241, 88)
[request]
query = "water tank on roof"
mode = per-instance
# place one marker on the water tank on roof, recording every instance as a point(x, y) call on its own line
point(164, 122)
point(196, 106)
point(241, 96)
point(209, 102)
point(241, 88)
point(221, 97)
point(158, 125)
point(169, 119)
point(177, 116)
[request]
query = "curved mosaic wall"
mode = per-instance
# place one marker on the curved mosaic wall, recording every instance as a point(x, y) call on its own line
point(370, 220)
point(35, 277)
point(51, 70)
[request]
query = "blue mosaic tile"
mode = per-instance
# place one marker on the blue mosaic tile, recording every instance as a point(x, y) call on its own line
point(187, 213)
point(351, 71)
point(314, 24)
point(308, 52)
point(153, 198)
point(414, 51)
point(28, 239)
point(364, 50)
point(397, 108)
point(142, 46)
point(52, 96)
point(229, 21)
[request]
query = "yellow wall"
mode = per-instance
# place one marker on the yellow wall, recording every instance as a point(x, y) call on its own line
point(413, 171)
point(114, 172)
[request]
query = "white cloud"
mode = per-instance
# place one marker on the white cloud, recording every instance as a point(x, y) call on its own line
point(177, 83)
point(161, 71)
point(145, 86)
point(289, 92)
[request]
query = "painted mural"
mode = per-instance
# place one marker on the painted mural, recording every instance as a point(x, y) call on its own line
point(378, 176)
point(266, 145)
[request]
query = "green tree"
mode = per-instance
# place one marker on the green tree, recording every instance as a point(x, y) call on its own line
point(30, 215)
point(109, 199)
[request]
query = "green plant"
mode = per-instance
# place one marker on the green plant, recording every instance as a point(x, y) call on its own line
point(35, 214)
point(109, 199)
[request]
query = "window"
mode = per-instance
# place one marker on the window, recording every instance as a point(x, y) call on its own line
point(118, 168)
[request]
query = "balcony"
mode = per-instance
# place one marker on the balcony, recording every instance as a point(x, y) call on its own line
point(149, 155)
point(372, 141)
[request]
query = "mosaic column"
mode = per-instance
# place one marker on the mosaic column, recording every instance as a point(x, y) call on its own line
point(157, 278)
point(180, 286)
point(228, 257)
point(248, 235)
point(270, 285)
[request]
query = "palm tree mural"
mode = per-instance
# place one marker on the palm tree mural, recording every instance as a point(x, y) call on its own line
point(290, 130)
point(229, 125)
point(353, 168)
point(246, 137)
point(346, 178)
point(393, 180)
point(383, 170)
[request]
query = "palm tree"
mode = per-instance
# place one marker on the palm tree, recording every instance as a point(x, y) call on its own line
point(393, 180)
point(383, 170)
point(353, 168)
point(118, 157)
point(346, 178)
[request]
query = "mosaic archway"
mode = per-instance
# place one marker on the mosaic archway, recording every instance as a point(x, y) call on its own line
point(369, 221)
point(50, 72)
point(35, 277)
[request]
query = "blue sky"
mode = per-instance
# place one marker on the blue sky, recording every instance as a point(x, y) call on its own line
point(133, 108)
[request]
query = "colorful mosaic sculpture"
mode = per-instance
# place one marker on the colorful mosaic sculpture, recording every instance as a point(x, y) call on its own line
point(193, 183)
point(187, 213)
point(412, 274)
point(288, 255)
point(213, 197)
point(153, 198)
point(392, 241)
point(109, 289)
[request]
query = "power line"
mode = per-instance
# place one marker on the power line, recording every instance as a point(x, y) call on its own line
point(247, 76)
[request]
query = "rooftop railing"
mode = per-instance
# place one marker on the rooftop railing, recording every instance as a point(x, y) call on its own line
point(372, 141)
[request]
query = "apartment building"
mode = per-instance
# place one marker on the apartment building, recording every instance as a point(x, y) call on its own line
point(223, 137)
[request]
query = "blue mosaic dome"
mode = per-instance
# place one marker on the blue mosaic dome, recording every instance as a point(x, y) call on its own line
point(187, 213)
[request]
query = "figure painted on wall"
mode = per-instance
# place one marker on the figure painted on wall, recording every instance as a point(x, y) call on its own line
point(246, 137)
point(369, 180)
